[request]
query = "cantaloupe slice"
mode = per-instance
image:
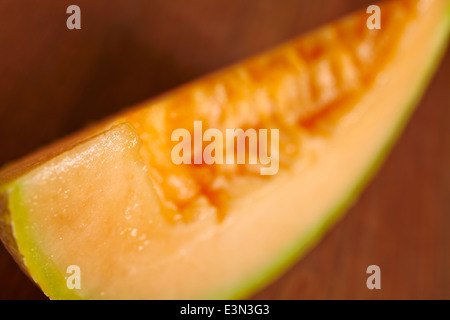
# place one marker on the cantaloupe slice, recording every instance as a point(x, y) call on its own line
point(111, 201)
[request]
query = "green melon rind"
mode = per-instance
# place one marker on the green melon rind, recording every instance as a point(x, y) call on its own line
point(43, 271)
point(52, 281)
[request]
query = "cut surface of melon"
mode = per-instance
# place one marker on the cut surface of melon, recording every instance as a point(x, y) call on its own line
point(141, 227)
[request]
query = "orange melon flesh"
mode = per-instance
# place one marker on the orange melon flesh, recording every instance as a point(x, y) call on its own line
point(111, 201)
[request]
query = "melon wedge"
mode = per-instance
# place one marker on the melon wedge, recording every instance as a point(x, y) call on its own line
point(110, 200)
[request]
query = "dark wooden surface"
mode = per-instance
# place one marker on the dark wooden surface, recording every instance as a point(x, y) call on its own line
point(54, 81)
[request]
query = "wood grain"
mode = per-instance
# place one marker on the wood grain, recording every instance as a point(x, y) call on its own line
point(54, 81)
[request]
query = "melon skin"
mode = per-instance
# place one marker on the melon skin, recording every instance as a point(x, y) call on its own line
point(51, 278)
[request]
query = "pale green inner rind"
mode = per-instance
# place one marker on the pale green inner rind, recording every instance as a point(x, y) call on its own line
point(44, 272)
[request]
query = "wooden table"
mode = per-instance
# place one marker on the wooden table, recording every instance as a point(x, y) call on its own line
point(54, 81)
